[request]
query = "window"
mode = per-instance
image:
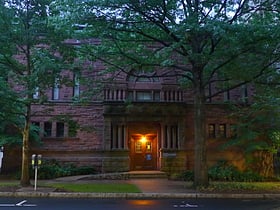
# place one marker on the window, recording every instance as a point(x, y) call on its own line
point(130, 96)
point(211, 131)
point(232, 131)
point(157, 96)
point(37, 124)
point(36, 93)
point(118, 136)
point(76, 88)
point(149, 146)
point(208, 93)
point(222, 131)
point(244, 93)
point(47, 129)
point(144, 96)
point(59, 129)
point(56, 89)
point(171, 137)
point(36, 127)
point(227, 96)
point(138, 147)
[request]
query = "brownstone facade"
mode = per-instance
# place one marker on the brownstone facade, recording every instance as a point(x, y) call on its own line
point(143, 123)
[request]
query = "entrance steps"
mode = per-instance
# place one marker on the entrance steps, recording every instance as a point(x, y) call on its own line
point(146, 174)
point(127, 175)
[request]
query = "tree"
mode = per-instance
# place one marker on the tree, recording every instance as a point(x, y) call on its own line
point(8, 113)
point(32, 55)
point(258, 127)
point(228, 43)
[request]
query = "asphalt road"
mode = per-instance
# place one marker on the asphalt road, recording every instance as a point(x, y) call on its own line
point(123, 204)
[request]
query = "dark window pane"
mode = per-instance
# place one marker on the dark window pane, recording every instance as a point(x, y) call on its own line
point(59, 129)
point(36, 127)
point(130, 95)
point(222, 131)
point(144, 96)
point(47, 129)
point(156, 96)
point(211, 131)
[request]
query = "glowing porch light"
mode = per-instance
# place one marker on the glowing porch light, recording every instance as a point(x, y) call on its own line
point(143, 139)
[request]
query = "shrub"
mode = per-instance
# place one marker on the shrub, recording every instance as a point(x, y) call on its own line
point(186, 176)
point(52, 169)
point(250, 176)
point(222, 171)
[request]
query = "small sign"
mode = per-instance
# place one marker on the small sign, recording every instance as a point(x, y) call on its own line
point(148, 157)
point(167, 154)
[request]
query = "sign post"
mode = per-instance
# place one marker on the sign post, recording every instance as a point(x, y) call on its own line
point(36, 162)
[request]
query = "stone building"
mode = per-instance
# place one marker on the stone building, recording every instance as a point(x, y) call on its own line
point(132, 122)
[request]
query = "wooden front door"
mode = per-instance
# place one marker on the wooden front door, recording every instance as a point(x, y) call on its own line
point(143, 153)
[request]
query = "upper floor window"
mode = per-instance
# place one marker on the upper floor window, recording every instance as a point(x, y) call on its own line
point(227, 95)
point(36, 93)
point(143, 95)
point(244, 93)
point(76, 88)
point(56, 89)
point(208, 93)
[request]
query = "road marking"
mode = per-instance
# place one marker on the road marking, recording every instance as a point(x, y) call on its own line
point(7, 205)
point(20, 204)
point(185, 205)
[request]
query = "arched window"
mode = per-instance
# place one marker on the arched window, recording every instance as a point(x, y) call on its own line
point(142, 76)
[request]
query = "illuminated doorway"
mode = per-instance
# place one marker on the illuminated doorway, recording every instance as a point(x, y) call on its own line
point(143, 152)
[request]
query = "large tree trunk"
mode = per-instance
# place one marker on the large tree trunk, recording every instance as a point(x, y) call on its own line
point(25, 179)
point(263, 163)
point(200, 164)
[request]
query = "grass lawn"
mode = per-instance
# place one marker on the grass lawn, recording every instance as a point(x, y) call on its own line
point(9, 183)
point(130, 188)
point(97, 187)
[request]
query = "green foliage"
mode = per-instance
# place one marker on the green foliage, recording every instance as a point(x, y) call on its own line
point(28, 34)
point(52, 169)
point(186, 176)
point(11, 140)
point(33, 53)
point(222, 171)
point(258, 125)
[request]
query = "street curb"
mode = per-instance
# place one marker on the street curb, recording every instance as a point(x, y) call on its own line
point(137, 195)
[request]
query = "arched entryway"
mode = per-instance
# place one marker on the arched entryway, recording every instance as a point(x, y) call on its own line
point(143, 146)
